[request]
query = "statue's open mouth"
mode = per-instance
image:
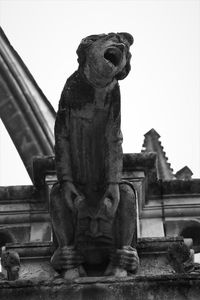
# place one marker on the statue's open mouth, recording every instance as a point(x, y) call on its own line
point(113, 55)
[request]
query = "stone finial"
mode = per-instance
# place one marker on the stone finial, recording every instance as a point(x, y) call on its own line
point(181, 258)
point(152, 144)
point(184, 174)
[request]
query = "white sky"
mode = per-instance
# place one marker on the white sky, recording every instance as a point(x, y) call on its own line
point(161, 92)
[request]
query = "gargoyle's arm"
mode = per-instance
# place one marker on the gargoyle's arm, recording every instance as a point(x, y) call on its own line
point(114, 159)
point(62, 145)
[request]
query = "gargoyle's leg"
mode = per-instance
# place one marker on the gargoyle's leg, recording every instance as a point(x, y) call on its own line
point(62, 218)
point(126, 218)
point(125, 256)
point(66, 259)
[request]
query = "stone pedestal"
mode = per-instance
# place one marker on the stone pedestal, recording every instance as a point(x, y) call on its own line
point(139, 287)
point(35, 258)
point(155, 279)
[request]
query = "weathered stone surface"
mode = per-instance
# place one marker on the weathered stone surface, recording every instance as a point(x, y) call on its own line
point(152, 144)
point(93, 213)
point(17, 192)
point(132, 162)
point(24, 110)
point(174, 187)
point(41, 167)
point(10, 262)
point(145, 162)
point(35, 257)
point(168, 287)
point(35, 260)
point(182, 259)
point(159, 245)
point(184, 173)
point(24, 215)
point(156, 279)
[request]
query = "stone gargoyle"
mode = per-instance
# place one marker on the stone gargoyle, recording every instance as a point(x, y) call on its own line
point(93, 211)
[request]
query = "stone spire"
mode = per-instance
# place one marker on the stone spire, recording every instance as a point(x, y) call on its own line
point(152, 144)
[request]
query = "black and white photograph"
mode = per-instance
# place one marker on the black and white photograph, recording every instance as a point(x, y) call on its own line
point(100, 149)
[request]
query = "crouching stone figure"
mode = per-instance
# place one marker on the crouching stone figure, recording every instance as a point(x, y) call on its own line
point(93, 211)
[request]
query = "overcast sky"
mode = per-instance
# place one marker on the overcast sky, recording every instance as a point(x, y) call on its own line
point(161, 92)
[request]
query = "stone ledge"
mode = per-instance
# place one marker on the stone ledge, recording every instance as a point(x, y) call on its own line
point(46, 249)
point(168, 287)
point(155, 278)
point(104, 279)
point(21, 192)
point(32, 250)
point(145, 162)
point(174, 188)
point(156, 245)
point(35, 257)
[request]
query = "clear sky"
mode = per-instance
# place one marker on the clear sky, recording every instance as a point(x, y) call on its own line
point(163, 89)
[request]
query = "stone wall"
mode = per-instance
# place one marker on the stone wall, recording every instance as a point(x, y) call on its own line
point(24, 215)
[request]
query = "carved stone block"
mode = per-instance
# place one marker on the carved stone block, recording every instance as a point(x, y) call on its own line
point(93, 211)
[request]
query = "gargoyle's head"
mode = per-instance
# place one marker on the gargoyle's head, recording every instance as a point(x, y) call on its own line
point(104, 57)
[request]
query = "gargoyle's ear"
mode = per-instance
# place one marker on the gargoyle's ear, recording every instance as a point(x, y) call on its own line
point(126, 37)
point(93, 38)
point(85, 43)
point(90, 39)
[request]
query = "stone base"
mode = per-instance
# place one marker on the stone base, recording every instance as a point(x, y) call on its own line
point(166, 287)
point(155, 279)
point(35, 257)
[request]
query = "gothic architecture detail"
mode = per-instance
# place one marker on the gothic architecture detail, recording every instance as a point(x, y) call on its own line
point(152, 144)
point(93, 212)
point(163, 215)
point(26, 113)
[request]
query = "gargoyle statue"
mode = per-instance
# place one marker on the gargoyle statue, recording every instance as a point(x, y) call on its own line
point(93, 211)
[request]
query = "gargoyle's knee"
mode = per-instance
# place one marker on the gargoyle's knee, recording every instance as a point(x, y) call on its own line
point(127, 196)
point(126, 217)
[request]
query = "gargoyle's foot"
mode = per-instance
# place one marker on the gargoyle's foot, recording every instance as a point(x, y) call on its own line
point(115, 271)
point(74, 273)
point(123, 261)
point(68, 262)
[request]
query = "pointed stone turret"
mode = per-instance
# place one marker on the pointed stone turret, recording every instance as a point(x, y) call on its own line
point(152, 144)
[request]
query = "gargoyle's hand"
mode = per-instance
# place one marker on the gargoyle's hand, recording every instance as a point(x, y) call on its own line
point(129, 259)
point(122, 261)
point(66, 258)
point(111, 199)
point(71, 195)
